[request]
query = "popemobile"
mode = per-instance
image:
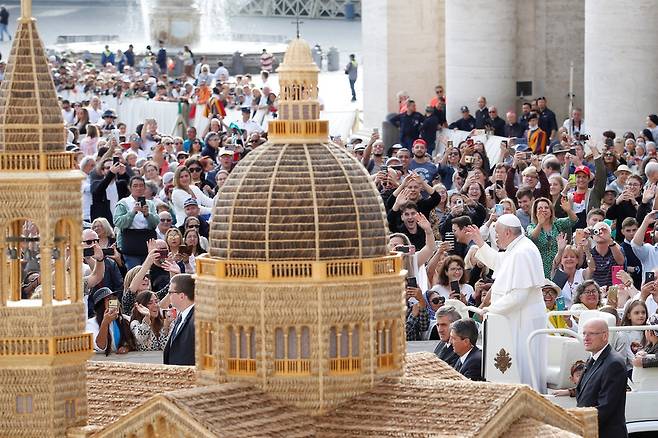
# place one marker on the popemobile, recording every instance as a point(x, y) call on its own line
point(564, 349)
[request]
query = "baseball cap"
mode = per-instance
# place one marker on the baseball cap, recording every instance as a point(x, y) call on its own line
point(464, 109)
point(583, 169)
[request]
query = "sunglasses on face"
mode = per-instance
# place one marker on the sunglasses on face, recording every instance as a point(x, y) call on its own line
point(165, 220)
point(193, 225)
point(90, 241)
point(195, 169)
point(436, 300)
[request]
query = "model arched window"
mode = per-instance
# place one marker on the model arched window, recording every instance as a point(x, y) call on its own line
point(207, 333)
point(241, 350)
point(345, 349)
point(292, 350)
point(384, 344)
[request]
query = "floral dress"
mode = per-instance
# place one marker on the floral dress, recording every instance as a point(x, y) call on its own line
point(547, 242)
point(147, 340)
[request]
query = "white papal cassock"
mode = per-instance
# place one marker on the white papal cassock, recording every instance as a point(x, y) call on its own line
point(516, 294)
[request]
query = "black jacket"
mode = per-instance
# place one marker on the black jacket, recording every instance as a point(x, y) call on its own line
point(603, 386)
point(180, 347)
point(472, 367)
point(100, 205)
point(445, 352)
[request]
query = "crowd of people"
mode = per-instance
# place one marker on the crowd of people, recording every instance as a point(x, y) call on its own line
point(589, 205)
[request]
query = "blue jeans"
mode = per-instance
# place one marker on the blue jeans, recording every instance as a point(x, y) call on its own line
point(132, 261)
point(3, 31)
point(352, 82)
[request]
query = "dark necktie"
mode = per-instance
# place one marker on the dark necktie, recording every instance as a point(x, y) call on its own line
point(459, 365)
point(590, 363)
point(177, 322)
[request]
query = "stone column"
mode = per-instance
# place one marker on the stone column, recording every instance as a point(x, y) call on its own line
point(402, 50)
point(480, 42)
point(621, 64)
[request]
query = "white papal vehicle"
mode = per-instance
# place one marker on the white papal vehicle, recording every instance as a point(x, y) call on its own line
point(564, 348)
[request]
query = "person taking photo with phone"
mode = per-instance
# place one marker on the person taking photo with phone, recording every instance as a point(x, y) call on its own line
point(110, 327)
point(135, 219)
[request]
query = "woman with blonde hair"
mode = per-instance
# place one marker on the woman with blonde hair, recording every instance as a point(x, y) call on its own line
point(105, 232)
point(184, 189)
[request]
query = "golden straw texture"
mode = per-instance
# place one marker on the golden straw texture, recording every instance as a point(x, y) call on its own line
point(30, 116)
point(298, 202)
point(115, 388)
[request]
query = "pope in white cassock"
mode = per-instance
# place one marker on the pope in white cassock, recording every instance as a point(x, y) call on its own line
point(516, 292)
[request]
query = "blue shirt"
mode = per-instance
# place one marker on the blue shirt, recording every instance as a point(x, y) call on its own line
point(426, 170)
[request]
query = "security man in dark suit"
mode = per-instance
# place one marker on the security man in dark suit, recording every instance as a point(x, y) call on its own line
point(445, 316)
point(180, 346)
point(603, 384)
point(463, 336)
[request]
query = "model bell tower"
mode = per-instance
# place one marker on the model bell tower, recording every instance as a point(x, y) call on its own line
point(299, 294)
point(43, 344)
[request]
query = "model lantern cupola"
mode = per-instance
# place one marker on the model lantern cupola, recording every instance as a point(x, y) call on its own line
point(299, 294)
point(43, 344)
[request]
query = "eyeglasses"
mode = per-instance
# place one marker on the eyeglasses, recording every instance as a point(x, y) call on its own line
point(178, 142)
point(165, 220)
point(90, 241)
point(590, 292)
point(195, 169)
point(590, 334)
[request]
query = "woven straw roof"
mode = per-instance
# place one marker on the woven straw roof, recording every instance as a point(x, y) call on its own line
point(298, 202)
point(115, 388)
point(298, 58)
point(427, 365)
point(429, 407)
point(240, 410)
point(529, 427)
point(30, 115)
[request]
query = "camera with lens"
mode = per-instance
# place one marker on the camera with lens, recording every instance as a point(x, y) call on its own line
point(594, 232)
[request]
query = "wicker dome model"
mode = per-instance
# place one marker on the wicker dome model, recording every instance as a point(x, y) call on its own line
point(299, 294)
point(298, 197)
point(319, 204)
point(30, 116)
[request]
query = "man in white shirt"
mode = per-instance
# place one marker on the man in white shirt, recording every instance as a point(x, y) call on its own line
point(68, 113)
point(575, 125)
point(221, 74)
point(94, 109)
point(646, 253)
point(247, 123)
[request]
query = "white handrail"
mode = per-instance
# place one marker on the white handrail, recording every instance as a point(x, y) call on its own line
point(573, 334)
point(531, 360)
